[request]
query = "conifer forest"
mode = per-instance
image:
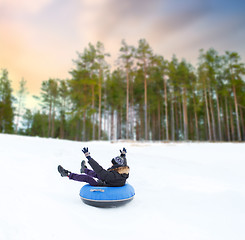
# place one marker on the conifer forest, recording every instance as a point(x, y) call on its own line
point(143, 97)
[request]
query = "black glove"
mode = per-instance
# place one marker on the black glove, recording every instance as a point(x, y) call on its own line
point(123, 152)
point(86, 152)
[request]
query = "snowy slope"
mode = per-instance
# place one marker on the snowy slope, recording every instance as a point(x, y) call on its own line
point(186, 191)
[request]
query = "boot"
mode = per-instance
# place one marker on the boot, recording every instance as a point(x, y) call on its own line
point(63, 172)
point(83, 166)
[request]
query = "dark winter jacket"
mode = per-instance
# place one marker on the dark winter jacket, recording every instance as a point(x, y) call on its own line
point(115, 176)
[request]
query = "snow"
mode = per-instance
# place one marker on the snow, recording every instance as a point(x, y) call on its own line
point(191, 191)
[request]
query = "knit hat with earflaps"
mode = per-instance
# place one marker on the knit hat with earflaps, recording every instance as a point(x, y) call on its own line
point(121, 161)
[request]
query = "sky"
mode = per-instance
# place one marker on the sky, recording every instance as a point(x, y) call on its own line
point(40, 39)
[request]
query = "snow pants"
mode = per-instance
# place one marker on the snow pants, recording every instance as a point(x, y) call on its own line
point(87, 177)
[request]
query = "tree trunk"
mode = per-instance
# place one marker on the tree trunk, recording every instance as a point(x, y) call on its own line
point(53, 123)
point(84, 126)
point(159, 121)
point(172, 119)
point(112, 124)
point(49, 119)
point(100, 83)
point(212, 114)
point(108, 129)
point(206, 133)
point(127, 105)
point(153, 127)
point(177, 124)
point(119, 123)
point(145, 87)
point(237, 114)
point(232, 124)
point(196, 118)
point(166, 107)
point(93, 114)
point(137, 131)
point(227, 120)
point(185, 115)
point(180, 119)
point(18, 114)
point(77, 130)
point(162, 124)
point(242, 124)
point(207, 113)
point(219, 119)
point(62, 121)
point(190, 126)
point(132, 114)
point(141, 123)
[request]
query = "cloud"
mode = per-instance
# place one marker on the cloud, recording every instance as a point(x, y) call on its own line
point(154, 20)
point(40, 38)
point(221, 36)
point(157, 21)
point(27, 6)
point(110, 16)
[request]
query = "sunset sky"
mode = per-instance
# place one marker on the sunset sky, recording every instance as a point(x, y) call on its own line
point(39, 39)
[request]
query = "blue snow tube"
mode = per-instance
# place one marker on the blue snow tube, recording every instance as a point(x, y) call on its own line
point(106, 196)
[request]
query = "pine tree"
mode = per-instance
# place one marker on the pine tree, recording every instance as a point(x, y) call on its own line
point(143, 54)
point(126, 56)
point(27, 121)
point(63, 93)
point(101, 67)
point(235, 70)
point(21, 94)
point(115, 86)
point(6, 104)
point(49, 96)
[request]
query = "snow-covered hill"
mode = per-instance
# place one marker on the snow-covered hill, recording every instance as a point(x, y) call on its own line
point(189, 191)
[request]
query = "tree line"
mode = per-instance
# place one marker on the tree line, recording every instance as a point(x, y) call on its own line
point(146, 97)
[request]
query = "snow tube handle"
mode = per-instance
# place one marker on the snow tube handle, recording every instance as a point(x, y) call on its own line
point(97, 190)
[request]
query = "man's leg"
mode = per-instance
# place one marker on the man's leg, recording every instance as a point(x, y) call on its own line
point(83, 178)
point(90, 173)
